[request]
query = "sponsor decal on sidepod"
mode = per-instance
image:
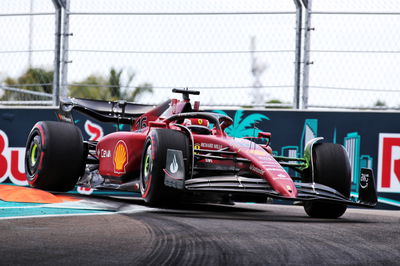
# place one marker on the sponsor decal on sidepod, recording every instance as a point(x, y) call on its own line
point(120, 159)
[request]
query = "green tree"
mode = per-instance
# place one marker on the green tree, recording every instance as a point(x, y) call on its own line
point(380, 103)
point(34, 79)
point(275, 103)
point(91, 88)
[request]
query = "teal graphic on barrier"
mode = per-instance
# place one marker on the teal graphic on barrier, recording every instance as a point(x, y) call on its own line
point(244, 126)
point(310, 131)
point(352, 146)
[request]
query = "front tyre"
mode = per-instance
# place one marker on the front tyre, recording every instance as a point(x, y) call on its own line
point(153, 163)
point(331, 167)
point(55, 157)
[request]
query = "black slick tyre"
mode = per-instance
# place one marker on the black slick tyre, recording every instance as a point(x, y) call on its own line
point(152, 187)
point(55, 156)
point(332, 169)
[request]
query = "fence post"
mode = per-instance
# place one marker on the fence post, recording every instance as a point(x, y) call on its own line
point(65, 47)
point(57, 52)
point(297, 63)
point(306, 54)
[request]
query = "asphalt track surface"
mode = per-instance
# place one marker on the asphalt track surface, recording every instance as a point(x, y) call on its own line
point(244, 234)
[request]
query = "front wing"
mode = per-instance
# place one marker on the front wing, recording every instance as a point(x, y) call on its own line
point(306, 191)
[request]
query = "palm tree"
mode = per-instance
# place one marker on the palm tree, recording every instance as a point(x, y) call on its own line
point(97, 87)
point(122, 91)
point(139, 90)
point(114, 81)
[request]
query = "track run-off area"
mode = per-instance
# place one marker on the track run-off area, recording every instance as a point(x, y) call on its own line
point(103, 230)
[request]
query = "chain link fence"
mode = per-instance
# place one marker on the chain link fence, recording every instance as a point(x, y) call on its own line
point(354, 55)
point(237, 53)
point(27, 52)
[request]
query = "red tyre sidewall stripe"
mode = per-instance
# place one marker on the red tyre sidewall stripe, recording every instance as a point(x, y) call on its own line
point(39, 126)
point(147, 188)
point(153, 148)
point(41, 131)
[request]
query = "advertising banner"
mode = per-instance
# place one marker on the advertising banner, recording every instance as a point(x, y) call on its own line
point(371, 139)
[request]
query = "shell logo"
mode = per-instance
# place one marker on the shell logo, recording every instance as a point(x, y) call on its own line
point(120, 158)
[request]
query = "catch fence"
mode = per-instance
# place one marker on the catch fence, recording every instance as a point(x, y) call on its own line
point(290, 54)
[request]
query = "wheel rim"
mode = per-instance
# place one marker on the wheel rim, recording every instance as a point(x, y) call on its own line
point(147, 166)
point(33, 155)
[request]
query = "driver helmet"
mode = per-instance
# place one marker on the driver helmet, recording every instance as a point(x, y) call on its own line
point(196, 122)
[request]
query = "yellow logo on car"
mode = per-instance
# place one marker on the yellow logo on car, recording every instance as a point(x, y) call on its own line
point(197, 147)
point(120, 157)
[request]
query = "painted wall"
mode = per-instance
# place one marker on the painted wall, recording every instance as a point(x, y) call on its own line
point(372, 139)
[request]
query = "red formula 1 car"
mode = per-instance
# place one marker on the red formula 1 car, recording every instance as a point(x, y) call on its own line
point(175, 152)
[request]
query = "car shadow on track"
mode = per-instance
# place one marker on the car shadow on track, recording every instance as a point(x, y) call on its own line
point(243, 212)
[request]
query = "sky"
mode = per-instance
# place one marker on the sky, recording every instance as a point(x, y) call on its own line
point(356, 53)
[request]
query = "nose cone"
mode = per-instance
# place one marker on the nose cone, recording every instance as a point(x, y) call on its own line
point(287, 189)
point(264, 165)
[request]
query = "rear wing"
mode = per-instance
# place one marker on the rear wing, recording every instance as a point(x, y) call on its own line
point(121, 112)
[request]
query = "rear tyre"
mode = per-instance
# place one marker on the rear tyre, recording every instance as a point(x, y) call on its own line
point(152, 174)
point(332, 169)
point(55, 157)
